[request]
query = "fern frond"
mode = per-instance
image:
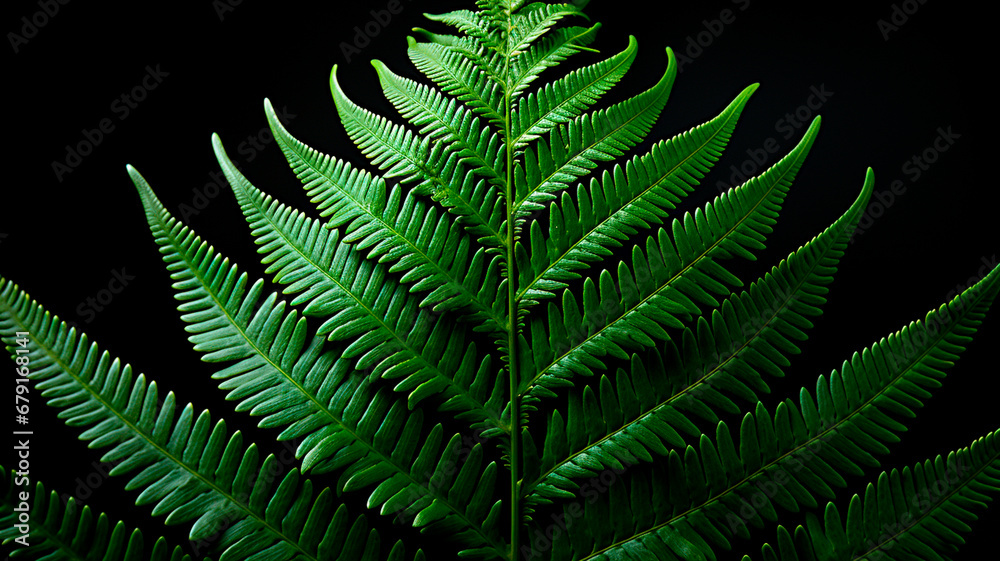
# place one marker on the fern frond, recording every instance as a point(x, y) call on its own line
point(565, 99)
point(345, 424)
point(447, 40)
point(647, 411)
point(446, 119)
point(572, 150)
point(438, 167)
point(391, 147)
point(387, 332)
point(514, 239)
point(478, 206)
point(471, 23)
point(400, 230)
point(919, 513)
point(531, 22)
point(665, 281)
point(713, 489)
point(550, 51)
point(188, 468)
point(466, 75)
point(585, 230)
point(67, 531)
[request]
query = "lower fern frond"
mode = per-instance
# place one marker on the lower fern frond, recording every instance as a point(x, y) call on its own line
point(344, 421)
point(647, 411)
point(671, 274)
point(191, 470)
point(919, 513)
point(57, 530)
point(390, 336)
point(708, 494)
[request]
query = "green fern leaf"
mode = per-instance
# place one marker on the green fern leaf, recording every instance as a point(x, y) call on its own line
point(918, 513)
point(665, 280)
point(442, 117)
point(565, 99)
point(59, 531)
point(189, 469)
point(602, 135)
point(601, 217)
point(646, 412)
point(345, 424)
point(551, 50)
point(465, 75)
point(470, 23)
point(390, 335)
point(503, 246)
point(401, 230)
point(798, 452)
point(527, 24)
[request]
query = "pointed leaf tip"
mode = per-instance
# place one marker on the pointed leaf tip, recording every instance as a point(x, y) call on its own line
point(334, 83)
point(140, 183)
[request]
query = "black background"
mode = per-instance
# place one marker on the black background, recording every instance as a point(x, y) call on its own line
point(64, 239)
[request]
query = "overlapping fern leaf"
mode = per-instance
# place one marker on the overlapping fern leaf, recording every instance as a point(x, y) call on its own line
point(344, 422)
point(503, 309)
point(917, 513)
point(68, 531)
point(709, 490)
point(191, 470)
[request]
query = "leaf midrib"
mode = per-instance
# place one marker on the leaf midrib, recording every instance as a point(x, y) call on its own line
point(572, 97)
point(471, 298)
point(157, 447)
point(929, 511)
point(604, 221)
point(318, 404)
point(818, 436)
point(683, 270)
point(323, 271)
point(702, 380)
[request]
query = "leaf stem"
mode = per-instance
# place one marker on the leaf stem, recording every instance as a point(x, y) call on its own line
point(515, 431)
